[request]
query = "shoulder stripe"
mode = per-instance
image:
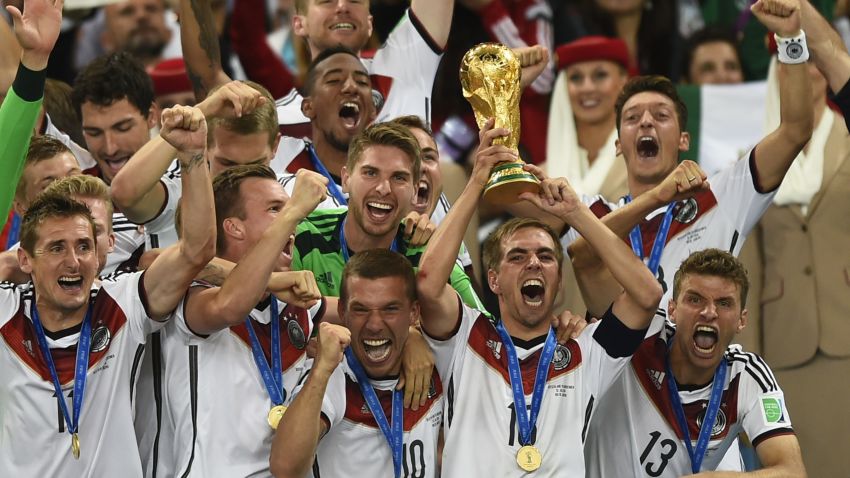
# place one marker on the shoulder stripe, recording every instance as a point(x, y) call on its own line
point(756, 368)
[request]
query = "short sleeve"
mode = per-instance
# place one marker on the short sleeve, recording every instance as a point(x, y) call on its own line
point(128, 292)
point(735, 190)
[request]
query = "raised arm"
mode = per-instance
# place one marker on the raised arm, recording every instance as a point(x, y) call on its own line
point(827, 49)
point(214, 309)
point(302, 426)
point(137, 189)
point(170, 274)
point(200, 47)
point(36, 31)
point(436, 17)
point(775, 153)
point(437, 300)
point(640, 293)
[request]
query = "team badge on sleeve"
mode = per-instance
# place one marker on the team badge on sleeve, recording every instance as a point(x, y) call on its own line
point(773, 410)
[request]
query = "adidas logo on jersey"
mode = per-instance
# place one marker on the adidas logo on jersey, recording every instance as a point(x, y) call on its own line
point(325, 278)
point(496, 348)
point(656, 376)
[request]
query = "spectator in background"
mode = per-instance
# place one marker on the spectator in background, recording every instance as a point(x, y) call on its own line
point(138, 27)
point(171, 85)
point(649, 28)
point(712, 57)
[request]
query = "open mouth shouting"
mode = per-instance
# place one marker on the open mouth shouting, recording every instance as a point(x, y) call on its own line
point(344, 26)
point(379, 211)
point(533, 291)
point(70, 283)
point(377, 350)
point(647, 147)
point(421, 201)
point(349, 113)
point(705, 340)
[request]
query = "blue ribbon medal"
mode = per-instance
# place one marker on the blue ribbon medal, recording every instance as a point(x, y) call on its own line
point(272, 376)
point(697, 453)
point(343, 244)
point(394, 433)
point(528, 457)
point(636, 239)
point(80, 369)
point(320, 168)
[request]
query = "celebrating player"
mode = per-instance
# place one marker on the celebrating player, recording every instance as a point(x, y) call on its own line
point(490, 365)
point(349, 415)
point(688, 393)
point(72, 348)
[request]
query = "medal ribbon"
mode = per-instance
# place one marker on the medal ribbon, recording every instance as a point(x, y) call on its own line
point(343, 244)
point(698, 453)
point(320, 168)
point(394, 433)
point(272, 376)
point(526, 423)
point(80, 368)
point(636, 239)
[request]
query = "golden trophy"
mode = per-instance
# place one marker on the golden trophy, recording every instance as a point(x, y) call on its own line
point(489, 76)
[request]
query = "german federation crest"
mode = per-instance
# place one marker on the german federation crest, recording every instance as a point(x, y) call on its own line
point(296, 333)
point(561, 358)
point(719, 423)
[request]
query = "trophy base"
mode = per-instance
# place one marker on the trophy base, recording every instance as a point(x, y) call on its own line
point(507, 182)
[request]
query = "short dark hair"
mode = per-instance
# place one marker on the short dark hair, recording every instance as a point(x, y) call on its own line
point(47, 206)
point(226, 190)
point(377, 264)
point(312, 74)
point(112, 78)
point(413, 121)
point(658, 84)
point(386, 134)
point(709, 34)
point(713, 262)
point(58, 104)
point(262, 119)
point(41, 148)
point(492, 250)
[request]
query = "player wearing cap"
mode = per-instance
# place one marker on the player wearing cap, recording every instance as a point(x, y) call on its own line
point(71, 348)
point(495, 370)
point(688, 393)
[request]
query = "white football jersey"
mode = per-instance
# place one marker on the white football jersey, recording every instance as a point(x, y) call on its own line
point(721, 217)
point(402, 70)
point(33, 436)
point(636, 417)
point(129, 245)
point(481, 432)
point(215, 406)
point(355, 443)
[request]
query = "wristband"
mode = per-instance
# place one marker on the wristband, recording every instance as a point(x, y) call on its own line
point(792, 50)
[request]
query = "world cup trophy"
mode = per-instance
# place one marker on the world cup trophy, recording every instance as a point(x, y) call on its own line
point(489, 76)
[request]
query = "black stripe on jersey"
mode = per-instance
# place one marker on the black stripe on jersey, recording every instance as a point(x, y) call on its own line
point(316, 473)
point(450, 400)
point(193, 397)
point(758, 370)
point(8, 285)
point(156, 366)
point(140, 350)
point(154, 241)
point(289, 98)
point(734, 242)
point(127, 228)
point(587, 413)
point(772, 433)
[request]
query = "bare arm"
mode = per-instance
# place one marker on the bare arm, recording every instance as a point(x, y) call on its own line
point(640, 293)
point(302, 426)
point(200, 47)
point(136, 188)
point(827, 49)
point(780, 457)
point(437, 300)
point(775, 153)
point(436, 17)
point(167, 279)
point(217, 308)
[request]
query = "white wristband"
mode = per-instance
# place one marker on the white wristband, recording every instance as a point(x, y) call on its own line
point(792, 50)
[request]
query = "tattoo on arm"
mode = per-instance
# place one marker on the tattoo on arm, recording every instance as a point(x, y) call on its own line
point(208, 41)
point(196, 159)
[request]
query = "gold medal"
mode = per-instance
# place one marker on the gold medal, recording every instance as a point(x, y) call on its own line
point(275, 414)
point(528, 458)
point(75, 446)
